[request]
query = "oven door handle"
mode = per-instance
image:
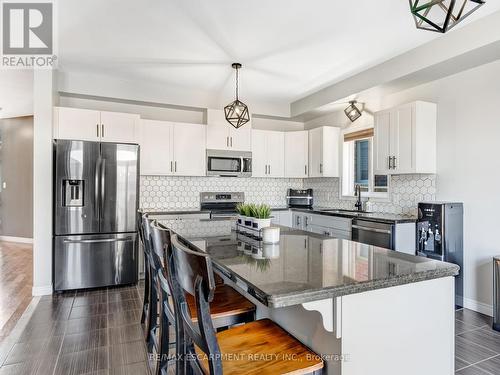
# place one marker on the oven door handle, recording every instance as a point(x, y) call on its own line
point(375, 230)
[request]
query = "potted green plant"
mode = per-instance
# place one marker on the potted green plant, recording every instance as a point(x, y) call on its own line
point(240, 210)
point(249, 213)
point(262, 217)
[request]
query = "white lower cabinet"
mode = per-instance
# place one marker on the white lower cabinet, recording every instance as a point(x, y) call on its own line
point(282, 217)
point(172, 149)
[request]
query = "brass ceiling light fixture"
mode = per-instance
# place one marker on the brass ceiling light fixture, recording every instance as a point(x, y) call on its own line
point(237, 112)
point(442, 15)
point(352, 112)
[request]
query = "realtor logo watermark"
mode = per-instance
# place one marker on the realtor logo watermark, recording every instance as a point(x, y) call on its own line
point(28, 34)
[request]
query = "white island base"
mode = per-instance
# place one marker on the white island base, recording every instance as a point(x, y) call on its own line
point(407, 329)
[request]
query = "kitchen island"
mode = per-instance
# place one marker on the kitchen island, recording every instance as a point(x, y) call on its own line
point(365, 309)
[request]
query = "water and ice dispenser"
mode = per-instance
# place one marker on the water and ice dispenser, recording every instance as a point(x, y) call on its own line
point(440, 236)
point(73, 192)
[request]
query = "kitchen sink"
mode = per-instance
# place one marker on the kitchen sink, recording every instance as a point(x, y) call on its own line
point(340, 211)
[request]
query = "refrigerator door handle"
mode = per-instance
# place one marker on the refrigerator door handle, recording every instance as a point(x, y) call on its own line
point(126, 239)
point(96, 188)
point(103, 186)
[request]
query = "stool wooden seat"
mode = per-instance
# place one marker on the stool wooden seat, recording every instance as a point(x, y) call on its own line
point(262, 347)
point(227, 305)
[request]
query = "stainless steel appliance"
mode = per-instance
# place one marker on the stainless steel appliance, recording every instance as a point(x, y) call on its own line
point(95, 207)
point(496, 293)
point(229, 163)
point(373, 233)
point(299, 198)
point(440, 236)
point(221, 204)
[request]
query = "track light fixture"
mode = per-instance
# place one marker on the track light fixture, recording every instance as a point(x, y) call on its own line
point(352, 112)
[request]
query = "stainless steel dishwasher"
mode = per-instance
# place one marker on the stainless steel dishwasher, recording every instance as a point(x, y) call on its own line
point(373, 233)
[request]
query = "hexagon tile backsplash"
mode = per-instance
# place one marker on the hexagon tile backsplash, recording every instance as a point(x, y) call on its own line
point(165, 193)
point(406, 192)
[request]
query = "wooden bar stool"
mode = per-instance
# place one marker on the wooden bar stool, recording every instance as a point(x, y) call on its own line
point(152, 292)
point(228, 306)
point(260, 347)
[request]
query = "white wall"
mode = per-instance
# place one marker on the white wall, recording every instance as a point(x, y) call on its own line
point(468, 142)
point(42, 187)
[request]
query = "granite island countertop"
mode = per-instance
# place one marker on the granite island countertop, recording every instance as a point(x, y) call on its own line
point(303, 267)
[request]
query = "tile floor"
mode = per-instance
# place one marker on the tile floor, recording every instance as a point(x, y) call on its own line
point(96, 332)
point(477, 346)
point(99, 333)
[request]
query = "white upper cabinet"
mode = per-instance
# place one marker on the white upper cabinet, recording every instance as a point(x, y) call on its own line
point(156, 140)
point(189, 149)
point(405, 139)
point(172, 149)
point(79, 124)
point(89, 125)
point(222, 136)
point(324, 152)
point(296, 154)
point(119, 127)
point(268, 153)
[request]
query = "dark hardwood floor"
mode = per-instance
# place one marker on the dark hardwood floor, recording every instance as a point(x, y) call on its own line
point(16, 280)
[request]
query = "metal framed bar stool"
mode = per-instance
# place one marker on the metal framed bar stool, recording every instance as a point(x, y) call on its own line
point(234, 350)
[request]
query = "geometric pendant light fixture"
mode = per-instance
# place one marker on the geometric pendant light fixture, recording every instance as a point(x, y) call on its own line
point(352, 112)
point(237, 112)
point(442, 15)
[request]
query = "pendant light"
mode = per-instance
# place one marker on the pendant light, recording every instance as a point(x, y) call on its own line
point(237, 112)
point(442, 15)
point(352, 112)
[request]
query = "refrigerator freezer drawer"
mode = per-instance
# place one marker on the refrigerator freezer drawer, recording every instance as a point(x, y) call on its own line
point(93, 261)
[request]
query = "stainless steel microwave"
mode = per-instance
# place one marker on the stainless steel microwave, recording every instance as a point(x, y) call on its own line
point(229, 163)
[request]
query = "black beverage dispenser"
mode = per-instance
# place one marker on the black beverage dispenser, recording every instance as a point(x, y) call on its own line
point(440, 236)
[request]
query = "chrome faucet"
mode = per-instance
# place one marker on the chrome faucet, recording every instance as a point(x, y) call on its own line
point(357, 193)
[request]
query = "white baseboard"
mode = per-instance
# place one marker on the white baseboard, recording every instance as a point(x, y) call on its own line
point(477, 306)
point(16, 239)
point(45, 290)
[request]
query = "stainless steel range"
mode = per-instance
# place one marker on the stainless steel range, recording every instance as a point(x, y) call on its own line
point(221, 204)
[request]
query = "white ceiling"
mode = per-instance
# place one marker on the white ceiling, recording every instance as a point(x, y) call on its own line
point(16, 93)
point(289, 48)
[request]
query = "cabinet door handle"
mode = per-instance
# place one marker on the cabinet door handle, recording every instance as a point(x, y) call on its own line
point(97, 128)
point(231, 141)
point(171, 166)
point(321, 168)
point(102, 130)
point(390, 162)
point(305, 170)
point(227, 141)
point(394, 166)
point(269, 168)
point(175, 166)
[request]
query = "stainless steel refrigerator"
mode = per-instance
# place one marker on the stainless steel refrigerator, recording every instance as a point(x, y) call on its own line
point(95, 227)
